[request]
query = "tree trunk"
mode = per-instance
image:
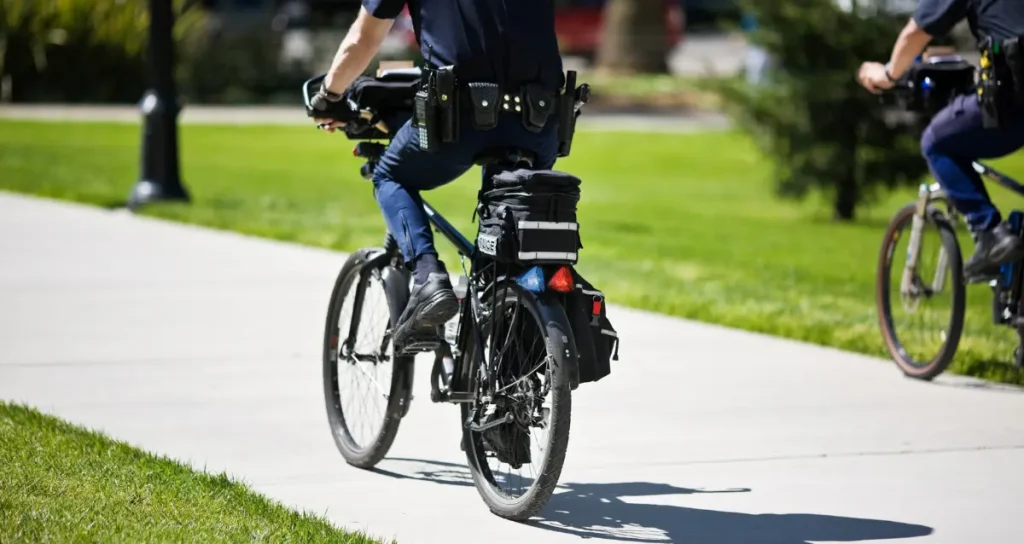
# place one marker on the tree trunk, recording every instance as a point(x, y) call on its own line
point(846, 198)
point(845, 129)
point(634, 38)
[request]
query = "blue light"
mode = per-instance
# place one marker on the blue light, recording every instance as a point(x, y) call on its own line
point(532, 280)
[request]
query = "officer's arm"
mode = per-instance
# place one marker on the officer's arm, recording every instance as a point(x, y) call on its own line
point(361, 42)
point(931, 18)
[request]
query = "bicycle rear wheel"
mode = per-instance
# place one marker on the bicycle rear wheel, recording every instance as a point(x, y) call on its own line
point(366, 388)
point(522, 402)
point(929, 311)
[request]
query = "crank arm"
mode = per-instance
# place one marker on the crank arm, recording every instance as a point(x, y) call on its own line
point(487, 426)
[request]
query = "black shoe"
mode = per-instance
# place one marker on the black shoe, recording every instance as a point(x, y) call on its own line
point(431, 303)
point(993, 248)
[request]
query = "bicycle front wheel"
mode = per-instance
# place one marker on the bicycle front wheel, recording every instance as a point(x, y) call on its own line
point(366, 388)
point(518, 428)
point(921, 314)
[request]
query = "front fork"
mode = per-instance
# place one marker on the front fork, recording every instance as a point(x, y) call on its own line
point(926, 194)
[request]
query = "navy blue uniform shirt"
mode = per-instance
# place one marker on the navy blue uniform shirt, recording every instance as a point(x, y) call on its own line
point(508, 42)
point(1000, 19)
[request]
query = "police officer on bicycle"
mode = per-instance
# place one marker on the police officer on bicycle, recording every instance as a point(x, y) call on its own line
point(503, 58)
point(966, 130)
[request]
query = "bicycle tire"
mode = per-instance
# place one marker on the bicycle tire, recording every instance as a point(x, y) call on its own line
point(926, 370)
point(399, 396)
point(531, 502)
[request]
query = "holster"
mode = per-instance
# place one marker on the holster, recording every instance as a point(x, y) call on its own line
point(484, 98)
point(1001, 81)
point(1012, 51)
point(540, 104)
point(446, 87)
point(436, 109)
point(567, 115)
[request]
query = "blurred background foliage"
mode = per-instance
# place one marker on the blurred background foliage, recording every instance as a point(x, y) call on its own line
point(821, 129)
point(85, 51)
point(823, 133)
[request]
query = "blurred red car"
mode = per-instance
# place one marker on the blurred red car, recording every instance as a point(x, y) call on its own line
point(579, 25)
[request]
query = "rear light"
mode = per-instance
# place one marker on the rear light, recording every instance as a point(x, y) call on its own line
point(562, 281)
point(532, 280)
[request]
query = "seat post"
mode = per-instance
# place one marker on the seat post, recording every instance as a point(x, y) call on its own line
point(516, 156)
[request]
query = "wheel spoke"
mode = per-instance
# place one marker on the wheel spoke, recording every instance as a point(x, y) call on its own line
point(520, 364)
point(376, 384)
point(362, 382)
point(922, 309)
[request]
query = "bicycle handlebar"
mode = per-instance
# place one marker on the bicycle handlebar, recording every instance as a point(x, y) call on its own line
point(367, 120)
point(907, 89)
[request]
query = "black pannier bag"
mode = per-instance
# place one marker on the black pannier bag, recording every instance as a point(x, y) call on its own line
point(383, 94)
point(390, 97)
point(937, 81)
point(597, 342)
point(528, 217)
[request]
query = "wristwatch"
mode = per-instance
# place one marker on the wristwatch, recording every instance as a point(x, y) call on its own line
point(329, 95)
point(888, 73)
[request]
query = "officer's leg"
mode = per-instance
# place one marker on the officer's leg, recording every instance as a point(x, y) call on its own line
point(951, 142)
point(405, 170)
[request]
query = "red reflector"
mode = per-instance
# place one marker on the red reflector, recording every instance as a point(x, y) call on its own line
point(597, 307)
point(355, 151)
point(562, 281)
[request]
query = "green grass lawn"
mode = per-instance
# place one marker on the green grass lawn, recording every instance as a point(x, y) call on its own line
point(681, 224)
point(62, 483)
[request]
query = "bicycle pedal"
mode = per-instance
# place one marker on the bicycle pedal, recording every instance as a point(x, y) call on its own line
point(980, 278)
point(420, 344)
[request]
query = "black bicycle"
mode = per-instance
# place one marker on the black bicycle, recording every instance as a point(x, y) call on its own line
point(509, 359)
point(932, 268)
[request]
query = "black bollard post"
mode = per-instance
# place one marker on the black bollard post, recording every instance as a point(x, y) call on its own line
point(160, 177)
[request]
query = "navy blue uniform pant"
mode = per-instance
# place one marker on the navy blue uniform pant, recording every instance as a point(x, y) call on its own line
point(953, 140)
point(405, 170)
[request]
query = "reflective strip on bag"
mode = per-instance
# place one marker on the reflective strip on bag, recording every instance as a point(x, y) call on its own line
point(533, 255)
point(548, 225)
point(589, 292)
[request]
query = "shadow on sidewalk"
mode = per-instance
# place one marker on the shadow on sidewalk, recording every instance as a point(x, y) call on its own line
point(599, 511)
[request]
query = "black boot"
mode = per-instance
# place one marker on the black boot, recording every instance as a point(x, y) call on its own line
point(431, 303)
point(993, 247)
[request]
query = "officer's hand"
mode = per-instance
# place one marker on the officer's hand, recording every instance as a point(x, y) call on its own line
point(335, 108)
point(330, 125)
point(873, 77)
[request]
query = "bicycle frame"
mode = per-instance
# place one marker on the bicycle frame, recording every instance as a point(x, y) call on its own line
point(462, 245)
point(462, 387)
point(932, 192)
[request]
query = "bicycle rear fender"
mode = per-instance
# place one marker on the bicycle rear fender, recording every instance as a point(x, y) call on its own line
point(558, 334)
point(561, 340)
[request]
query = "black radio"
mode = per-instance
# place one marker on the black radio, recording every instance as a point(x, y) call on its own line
point(436, 108)
point(424, 117)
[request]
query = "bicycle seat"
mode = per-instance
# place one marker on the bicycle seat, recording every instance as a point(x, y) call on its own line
point(510, 155)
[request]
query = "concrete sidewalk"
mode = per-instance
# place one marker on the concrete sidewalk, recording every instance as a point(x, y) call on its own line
point(204, 346)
